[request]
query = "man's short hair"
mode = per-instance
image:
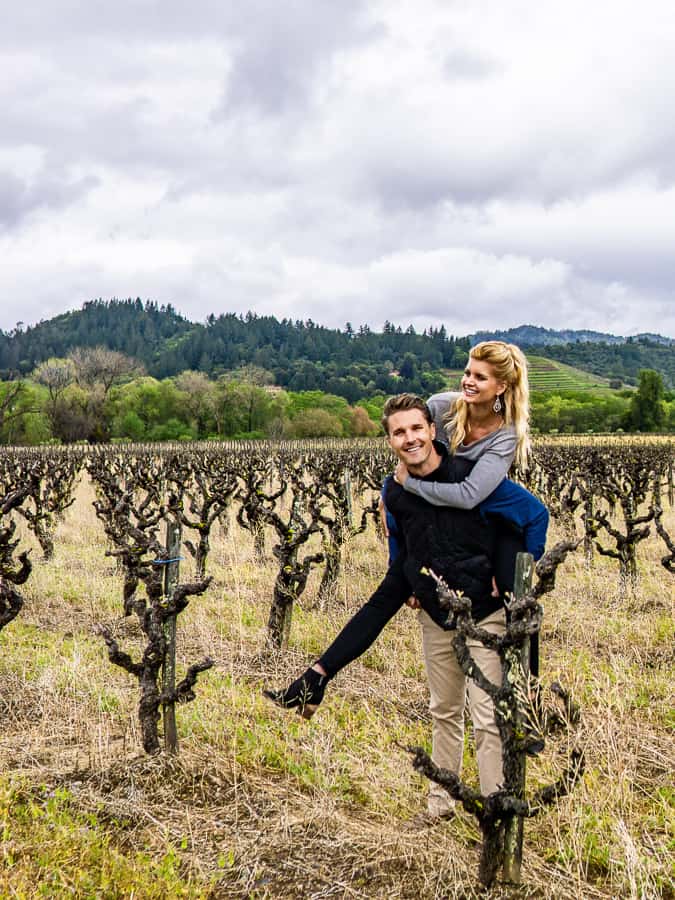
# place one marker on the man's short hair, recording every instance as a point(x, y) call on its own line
point(402, 403)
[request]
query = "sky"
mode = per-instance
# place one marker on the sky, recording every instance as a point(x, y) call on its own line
point(479, 164)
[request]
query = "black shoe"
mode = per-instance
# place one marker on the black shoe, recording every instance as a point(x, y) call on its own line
point(304, 694)
point(534, 744)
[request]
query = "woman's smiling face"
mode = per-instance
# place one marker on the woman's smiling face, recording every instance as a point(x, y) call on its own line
point(479, 383)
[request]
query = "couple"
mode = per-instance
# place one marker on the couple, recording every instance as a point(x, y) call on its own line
point(453, 511)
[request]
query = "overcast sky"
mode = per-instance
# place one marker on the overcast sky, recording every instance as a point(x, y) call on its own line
point(476, 163)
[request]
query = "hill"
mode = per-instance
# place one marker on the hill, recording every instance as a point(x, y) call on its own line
point(534, 335)
point(307, 356)
point(604, 355)
point(617, 361)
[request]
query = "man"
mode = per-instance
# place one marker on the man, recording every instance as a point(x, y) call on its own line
point(463, 546)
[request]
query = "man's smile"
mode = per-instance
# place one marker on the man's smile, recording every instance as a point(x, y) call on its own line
point(412, 447)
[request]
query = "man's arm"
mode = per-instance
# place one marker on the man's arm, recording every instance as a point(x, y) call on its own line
point(517, 505)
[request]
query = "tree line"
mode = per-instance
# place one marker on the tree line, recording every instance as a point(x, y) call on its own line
point(98, 395)
point(650, 408)
point(301, 355)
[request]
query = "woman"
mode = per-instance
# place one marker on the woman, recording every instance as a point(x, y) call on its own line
point(486, 423)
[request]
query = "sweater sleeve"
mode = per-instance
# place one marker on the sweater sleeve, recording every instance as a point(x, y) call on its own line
point(439, 405)
point(490, 470)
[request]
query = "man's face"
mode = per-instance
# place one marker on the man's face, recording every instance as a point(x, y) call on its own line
point(410, 437)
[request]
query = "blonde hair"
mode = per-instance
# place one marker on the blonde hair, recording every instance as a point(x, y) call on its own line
point(510, 366)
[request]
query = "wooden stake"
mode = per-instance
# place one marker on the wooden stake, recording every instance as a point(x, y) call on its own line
point(173, 542)
point(513, 832)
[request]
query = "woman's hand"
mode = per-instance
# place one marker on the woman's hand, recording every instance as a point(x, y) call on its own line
point(413, 603)
point(401, 473)
point(383, 516)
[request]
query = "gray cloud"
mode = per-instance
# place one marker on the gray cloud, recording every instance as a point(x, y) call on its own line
point(280, 49)
point(462, 63)
point(363, 160)
point(19, 198)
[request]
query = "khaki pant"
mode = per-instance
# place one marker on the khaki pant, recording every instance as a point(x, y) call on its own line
point(448, 689)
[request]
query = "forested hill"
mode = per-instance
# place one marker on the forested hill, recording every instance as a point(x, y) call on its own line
point(130, 326)
point(300, 355)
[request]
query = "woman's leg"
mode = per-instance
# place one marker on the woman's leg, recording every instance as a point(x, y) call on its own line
point(306, 692)
point(367, 624)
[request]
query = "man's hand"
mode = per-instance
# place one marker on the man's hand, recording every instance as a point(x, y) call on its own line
point(413, 603)
point(401, 473)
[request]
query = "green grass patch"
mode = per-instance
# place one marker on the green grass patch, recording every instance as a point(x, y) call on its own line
point(51, 849)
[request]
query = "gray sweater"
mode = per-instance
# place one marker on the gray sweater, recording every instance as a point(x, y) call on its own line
point(493, 454)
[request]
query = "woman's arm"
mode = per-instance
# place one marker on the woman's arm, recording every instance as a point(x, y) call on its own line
point(490, 470)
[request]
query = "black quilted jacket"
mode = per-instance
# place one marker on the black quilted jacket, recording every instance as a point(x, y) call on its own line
point(457, 544)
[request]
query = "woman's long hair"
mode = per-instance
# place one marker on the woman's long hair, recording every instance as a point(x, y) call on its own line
point(510, 366)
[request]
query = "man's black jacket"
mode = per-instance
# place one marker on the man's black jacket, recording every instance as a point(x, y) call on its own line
point(458, 544)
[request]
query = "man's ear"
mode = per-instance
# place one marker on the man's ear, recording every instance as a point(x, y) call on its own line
point(433, 431)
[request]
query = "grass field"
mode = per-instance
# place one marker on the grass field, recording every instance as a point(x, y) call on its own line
point(259, 803)
point(550, 375)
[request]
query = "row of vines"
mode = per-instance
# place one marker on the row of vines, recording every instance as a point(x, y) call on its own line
point(301, 502)
point(286, 494)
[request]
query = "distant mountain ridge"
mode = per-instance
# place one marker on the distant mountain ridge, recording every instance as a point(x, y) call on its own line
point(536, 336)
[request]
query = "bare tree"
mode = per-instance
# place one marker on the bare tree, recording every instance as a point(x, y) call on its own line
point(101, 367)
point(500, 814)
point(200, 398)
point(56, 375)
point(11, 574)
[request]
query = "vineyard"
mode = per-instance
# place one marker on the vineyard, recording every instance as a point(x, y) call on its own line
point(128, 774)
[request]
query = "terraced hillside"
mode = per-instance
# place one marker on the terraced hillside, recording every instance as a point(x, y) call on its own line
point(550, 375)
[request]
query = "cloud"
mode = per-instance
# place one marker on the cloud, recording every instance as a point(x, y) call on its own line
point(479, 164)
point(19, 198)
point(281, 49)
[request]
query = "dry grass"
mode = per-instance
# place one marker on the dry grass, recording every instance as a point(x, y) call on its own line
point(261, 804)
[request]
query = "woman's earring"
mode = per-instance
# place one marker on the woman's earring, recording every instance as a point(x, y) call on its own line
point(497, 405)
